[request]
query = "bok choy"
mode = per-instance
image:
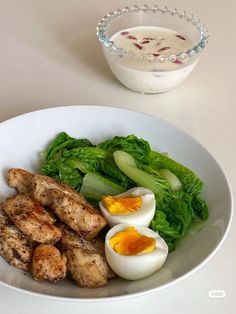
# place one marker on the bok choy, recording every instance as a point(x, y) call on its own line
point(120, 163)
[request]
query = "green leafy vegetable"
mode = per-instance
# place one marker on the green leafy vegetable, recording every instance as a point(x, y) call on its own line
point(62, 170)
point(85, 158)
point(174, 182)
point(138, 148)
point(191, 183)
point(175, 215)
point(200, 208)
point(95, 186)
point(166, 174)
point(109, 169)
point(120, 163)
point(63, 141)
point(69, 159)
point(127, 164)
point(175, 212)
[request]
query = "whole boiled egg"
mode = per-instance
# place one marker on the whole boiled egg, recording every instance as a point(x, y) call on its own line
point(135, 206)
point(134, 252)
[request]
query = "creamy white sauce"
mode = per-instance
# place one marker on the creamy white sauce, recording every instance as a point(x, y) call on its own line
point(156, 41)
point(150, 76)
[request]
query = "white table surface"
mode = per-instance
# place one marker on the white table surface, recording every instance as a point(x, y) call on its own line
point(50, 57)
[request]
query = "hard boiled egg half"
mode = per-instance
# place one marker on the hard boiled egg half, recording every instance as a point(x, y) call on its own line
point(134, 252)
point(135, 206)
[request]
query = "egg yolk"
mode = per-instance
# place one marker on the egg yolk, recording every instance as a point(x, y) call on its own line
point(131, 242)
point(122, 205)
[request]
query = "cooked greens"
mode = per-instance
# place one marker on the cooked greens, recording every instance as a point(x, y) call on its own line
point(96, 186)
point(121, 163)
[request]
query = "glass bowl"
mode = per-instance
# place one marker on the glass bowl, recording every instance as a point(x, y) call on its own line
point(147, 73)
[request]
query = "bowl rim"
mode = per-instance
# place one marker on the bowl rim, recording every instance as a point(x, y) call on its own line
point(173, 58)
point(151, 290)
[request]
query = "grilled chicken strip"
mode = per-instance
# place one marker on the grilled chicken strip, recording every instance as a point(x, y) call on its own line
point(14, 246)
point(100, 247)
point(48, 263)
point(41, 185)
point(84, 220)
point(31, 219)
point(69, 206)
point(86, 260)
point(21, 180)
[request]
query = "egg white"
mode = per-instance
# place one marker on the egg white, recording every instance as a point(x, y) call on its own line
point(138, 266)
point(143, 216)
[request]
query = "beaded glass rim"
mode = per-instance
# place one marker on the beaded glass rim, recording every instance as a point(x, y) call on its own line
point(105, 21)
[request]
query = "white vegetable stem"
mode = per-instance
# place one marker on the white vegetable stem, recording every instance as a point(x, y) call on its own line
point(174, 182)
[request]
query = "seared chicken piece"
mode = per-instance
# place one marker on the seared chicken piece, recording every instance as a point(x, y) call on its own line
point(41, 184)
point(86, 260)
point(48, 263)
point(100, 247)
point(21, 180)
point(84, 220)
point(31, 219)
point(69, 206)
point(14, 246)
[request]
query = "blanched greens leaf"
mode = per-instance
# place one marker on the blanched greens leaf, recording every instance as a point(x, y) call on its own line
point(85, 158)
point(109, 169)
point(86, 153)
point(138, 148)
point(127, 164)
point(97, 160)
point(200, 208)
point(60, 167)
point(95, 186)
point(166, 174)
point(62, 170)
point(68, 153)
point(174, 213)
point(63, 141)
point(191, 182)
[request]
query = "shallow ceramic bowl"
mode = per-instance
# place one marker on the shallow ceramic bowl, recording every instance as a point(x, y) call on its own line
point(24, 137)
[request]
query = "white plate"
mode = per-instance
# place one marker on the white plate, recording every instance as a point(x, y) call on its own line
point(24, 137)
